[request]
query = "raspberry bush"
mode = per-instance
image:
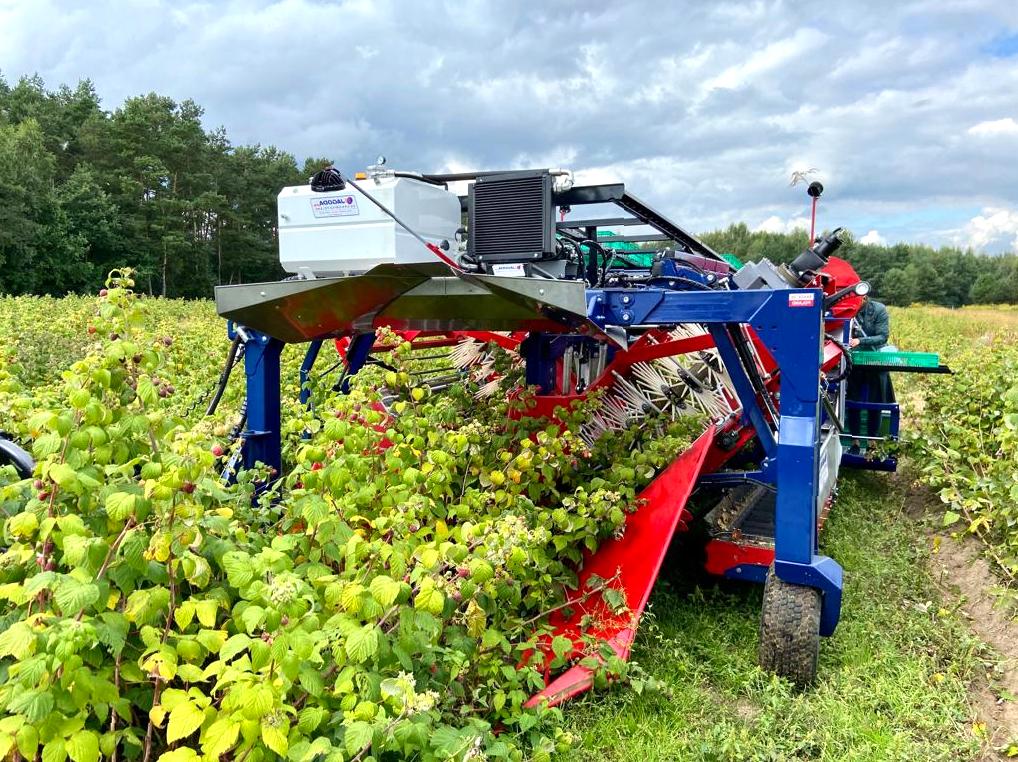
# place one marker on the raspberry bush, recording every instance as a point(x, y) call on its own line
point(381, 600)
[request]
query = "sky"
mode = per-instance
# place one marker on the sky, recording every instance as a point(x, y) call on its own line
point(906, 110)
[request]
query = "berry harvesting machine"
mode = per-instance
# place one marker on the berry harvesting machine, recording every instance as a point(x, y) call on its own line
point(658, 321)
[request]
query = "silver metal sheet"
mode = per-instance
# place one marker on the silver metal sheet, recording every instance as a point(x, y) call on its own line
point(406, 297)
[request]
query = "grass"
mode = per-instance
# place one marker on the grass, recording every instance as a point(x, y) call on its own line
point(893, 680)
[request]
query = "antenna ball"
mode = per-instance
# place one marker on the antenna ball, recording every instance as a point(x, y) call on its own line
point(815, 189)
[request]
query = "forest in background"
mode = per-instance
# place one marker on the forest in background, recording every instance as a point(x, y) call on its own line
point(84, 190)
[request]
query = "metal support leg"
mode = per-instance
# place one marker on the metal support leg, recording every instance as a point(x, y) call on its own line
point(262, 442)
point(356, 356)
point(797, 346)
point(310, 356)
point(539, 356)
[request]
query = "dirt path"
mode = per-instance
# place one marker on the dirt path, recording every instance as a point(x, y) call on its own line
point(966, 580)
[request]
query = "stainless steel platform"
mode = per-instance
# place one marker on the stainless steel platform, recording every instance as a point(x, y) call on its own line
point(406, 297)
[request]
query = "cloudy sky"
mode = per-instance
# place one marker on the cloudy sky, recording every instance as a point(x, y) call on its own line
point(908, 110)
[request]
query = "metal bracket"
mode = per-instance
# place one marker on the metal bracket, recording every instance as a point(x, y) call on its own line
point(826, 575)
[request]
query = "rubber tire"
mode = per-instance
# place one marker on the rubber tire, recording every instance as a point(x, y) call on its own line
point(790, 630)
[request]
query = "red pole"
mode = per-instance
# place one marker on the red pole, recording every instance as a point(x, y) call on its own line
point(813, 222)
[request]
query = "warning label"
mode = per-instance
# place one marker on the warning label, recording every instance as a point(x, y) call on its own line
point(334, 206)
point(801, 300)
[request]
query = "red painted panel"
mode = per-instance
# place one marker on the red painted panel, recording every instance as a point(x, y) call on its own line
point(636, 558)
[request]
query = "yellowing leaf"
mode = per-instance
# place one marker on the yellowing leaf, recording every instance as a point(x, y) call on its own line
point(83, 746)
point(476, 619)
point(185, 718)
point(275, 738)
point(385, 589)
point(183, 615)
point(219, 737)
point(120, 505)
point(183, 754)
point(157, 714)
point(18, 641)
point(206, 611)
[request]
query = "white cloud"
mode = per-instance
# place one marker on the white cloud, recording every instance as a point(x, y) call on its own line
point(873, 237)
point(1007, 126)
point(993, 231)
point(768, 58)
point(775, 224)
point(898, 116)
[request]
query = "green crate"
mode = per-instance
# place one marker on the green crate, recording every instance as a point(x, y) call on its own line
point(732, 260)
point(902, 359)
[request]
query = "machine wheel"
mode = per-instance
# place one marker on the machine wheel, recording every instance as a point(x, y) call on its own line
point(11, 454)
point(790, 630)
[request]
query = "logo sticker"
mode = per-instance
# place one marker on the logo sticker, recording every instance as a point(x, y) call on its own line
point(334, 206)
point(801, 300)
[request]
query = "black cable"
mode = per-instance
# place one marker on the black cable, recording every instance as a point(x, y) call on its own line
point(224, 377)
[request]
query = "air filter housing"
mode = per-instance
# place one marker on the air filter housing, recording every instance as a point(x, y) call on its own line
point(512, 218)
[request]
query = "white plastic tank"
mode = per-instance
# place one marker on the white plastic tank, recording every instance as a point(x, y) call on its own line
point(342, 232)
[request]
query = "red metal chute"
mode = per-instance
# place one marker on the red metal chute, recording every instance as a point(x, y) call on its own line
point(636, 559)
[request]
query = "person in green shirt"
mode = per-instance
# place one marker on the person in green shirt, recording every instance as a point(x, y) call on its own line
point(874, 325)
point(872, 329)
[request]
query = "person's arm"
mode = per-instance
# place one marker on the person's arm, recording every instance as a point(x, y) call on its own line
point(879, 332)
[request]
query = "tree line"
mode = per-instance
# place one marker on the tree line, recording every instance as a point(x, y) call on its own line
point(84, 190)
point(900, 274)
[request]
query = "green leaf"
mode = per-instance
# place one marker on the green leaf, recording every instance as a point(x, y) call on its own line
point(310, 717)
point(234, 646)
point(36, 705)
point(72, 596)
point(385, 589)
point(17, 641)
point(112, 630)
point(183, 754)
point(219, 737)
point(23, 524)
point(28, 741)
point(257, 701)
point(206, 611)
point(429, 598)
point(212, 640)
point(120, 505)
point(83, 746)
point(357, 736)
point(185, 718)
point(6, 743)
point(252, 618)
point(447, 740)
point(950, 517)
point(183, 615)
point(311, 680)
point(54, 751)
point(67, 478)
point(275, 737)
point(362, 643)
point(561, 646)
point(239, 568)
point(614, 598)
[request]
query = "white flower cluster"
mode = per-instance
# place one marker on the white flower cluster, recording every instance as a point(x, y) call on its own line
point(403, 688)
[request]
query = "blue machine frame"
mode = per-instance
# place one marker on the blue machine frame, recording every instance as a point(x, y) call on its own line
point(789, 322)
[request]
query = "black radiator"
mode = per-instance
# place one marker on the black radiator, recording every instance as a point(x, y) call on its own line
point(512, 217)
